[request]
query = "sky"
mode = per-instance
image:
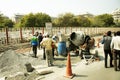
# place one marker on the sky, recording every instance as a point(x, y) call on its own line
point(56, 7)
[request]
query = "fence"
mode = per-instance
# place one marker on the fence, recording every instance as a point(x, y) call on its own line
point(18, 35)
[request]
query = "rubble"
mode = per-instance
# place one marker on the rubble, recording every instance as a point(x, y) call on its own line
point(12, 66)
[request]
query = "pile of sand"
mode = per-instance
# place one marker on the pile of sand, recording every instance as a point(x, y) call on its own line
point(11, 62)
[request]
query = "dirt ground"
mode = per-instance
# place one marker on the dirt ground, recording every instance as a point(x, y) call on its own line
point(14, 46)
point(14, 57)
point(12, 64)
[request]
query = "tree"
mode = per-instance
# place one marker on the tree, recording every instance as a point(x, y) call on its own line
point(75, 21)
point(8, 23)
point(28, 20)
point(69, 19)
point(56, 22)
point(35, 20)
point(83, 21)
point(104, 20)
point(64, 20)
point(1, 20)
point(41, 19)
point(5, 21)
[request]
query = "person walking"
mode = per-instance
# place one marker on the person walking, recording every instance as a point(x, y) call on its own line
point(115, 47)
point(34, 44)
point(40, 37)
point(44, 37)
point(47, 43)
point(54, 48)
point(107, 50)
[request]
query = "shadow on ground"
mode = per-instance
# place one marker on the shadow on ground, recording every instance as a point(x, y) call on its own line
point(76, 75)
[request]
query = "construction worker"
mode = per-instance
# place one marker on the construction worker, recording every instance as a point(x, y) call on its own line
point(115, 46)
point(47, 43)
point(107, 50)
point(40, 37)
point(34, 44)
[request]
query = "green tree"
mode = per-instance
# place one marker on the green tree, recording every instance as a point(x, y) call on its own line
point(1, 20)
point(5, 21)
point(104, 20)
point(56, 22)
point(83, 21)
point(28, 20)
point(41, 19)
point(35, 20)
point(69, 19)
point(64, 20)
point(8, 23)
point(75, 21)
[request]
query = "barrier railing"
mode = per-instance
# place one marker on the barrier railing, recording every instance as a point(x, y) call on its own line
point(21, 35)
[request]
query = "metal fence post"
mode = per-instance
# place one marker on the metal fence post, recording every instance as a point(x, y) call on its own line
point(32, 30)
point(21, 38)
point(43, 30)
point(7, 40)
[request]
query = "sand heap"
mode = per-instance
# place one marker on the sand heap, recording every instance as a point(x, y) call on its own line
point(11, 62)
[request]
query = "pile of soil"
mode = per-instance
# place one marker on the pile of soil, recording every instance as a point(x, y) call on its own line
point(12, 62)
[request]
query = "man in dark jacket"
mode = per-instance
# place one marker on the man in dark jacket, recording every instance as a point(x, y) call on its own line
point(107, 50)
point(40, 37)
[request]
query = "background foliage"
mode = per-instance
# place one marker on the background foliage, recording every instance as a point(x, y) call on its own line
point(63, 20)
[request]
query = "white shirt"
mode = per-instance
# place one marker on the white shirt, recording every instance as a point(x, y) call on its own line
point(115, 43)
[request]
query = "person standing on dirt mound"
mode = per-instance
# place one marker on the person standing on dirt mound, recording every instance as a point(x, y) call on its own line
point(34, 44)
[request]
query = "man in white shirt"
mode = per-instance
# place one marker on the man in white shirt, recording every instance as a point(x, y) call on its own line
point(115, 46)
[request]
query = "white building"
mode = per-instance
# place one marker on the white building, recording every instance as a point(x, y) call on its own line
point(17, 18)
point(116, 15)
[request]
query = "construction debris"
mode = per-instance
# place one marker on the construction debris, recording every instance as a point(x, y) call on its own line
point(45, 72)
point(29, 67)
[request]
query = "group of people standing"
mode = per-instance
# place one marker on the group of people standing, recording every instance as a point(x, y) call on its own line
point(112, 48)
point(39, 41)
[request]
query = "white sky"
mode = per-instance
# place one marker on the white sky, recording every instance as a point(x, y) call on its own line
point(56, 7)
